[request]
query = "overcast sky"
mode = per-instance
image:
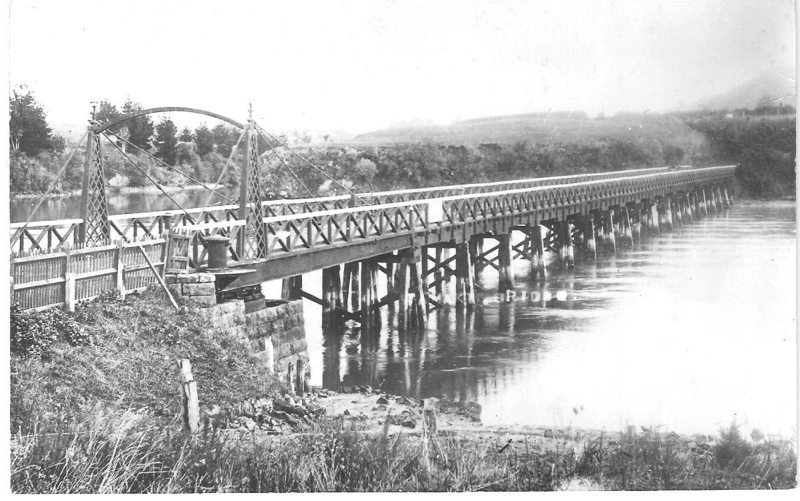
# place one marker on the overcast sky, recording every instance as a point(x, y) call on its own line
point(363, 65)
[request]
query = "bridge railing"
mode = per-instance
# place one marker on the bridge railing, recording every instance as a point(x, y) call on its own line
point(303, 232)
point(42, 235)
point(43, 279)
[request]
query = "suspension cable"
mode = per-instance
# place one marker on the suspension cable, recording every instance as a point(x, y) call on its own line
point(173, 169)
point(304, 159)
point(222, 174)
point(146, 175)
point(52, 185)
point(283, 161)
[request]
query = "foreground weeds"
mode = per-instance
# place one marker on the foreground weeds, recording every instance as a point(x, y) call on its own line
point(128, 453)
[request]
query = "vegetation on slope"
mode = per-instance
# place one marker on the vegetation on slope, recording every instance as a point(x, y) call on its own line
point(113, 355)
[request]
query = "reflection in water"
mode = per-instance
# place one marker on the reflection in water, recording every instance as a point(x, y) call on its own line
point(69, 207)
point(688, 330)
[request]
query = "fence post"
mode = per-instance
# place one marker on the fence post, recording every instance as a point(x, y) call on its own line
point(11, 284)
point(69, 281)
point(120, 266)
point(189, 405)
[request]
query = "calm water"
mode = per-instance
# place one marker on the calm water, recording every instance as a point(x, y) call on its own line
point(70, 207)
point(688, 331)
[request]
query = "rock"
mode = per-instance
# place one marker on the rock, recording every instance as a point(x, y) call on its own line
point(382, 401)
point(379, 408)
point(376, 391)
point(347, 389)
point(346, 412)
point(286, 417)
point(323, 395)
point(409, 423)
point(247, 423)
point(316, 410)
point(366, 389)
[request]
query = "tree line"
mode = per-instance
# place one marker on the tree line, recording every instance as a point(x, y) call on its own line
point(765, 148)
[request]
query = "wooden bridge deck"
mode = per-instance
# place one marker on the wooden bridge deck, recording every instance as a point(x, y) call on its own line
point(312, 234)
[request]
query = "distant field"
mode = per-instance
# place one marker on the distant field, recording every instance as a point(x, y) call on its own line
point(533, 129)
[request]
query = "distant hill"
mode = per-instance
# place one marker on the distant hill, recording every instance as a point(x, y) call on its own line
point(71, 132)
point(532, 128)
point(768, 89)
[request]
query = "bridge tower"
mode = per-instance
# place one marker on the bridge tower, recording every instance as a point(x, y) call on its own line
point(252, 243)
point(94, 207)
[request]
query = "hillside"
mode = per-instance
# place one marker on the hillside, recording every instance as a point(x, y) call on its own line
point(768, 89)
point(534, 129)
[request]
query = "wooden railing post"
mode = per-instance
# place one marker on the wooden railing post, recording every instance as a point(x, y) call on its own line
point(120, 266)
point(69, 281)
point(11, 297)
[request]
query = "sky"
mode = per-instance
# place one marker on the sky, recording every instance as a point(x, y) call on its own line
point(359, 66)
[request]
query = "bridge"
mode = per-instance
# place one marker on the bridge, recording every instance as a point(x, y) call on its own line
point(416, 239)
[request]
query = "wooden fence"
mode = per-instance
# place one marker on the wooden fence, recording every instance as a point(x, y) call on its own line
point(41, 280)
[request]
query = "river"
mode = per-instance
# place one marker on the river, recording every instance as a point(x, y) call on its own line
point(686, 332)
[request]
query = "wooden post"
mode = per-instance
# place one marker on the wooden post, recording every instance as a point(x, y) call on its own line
point(189, 404)
point(505, 262)
point(367, 298)
point(429, 416)
point(438, 274)
point(687, 208)
point(625, 231)
point(413, 301)
point(636, 223)
point(677, 213)
point(292, 287)
point(331, 295)
point(703, 202)
point(589, 241)
point(465, 277)
point(609, 242)
point(403, 286)
point(653, 226)
point(565, 250)
point(11, 297)
point(120, 266)
point(666, 211)
point(420, 304)
point(538, 268)
point(728, 200)
point(69, 281)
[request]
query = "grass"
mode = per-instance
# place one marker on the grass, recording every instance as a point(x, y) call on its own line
point(131, 365)
point(125, 453)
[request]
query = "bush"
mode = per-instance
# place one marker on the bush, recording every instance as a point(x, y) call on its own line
point(33, 334)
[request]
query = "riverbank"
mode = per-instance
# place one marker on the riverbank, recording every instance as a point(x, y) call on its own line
point(354, 445)
point(95, 408)
point(115, 191)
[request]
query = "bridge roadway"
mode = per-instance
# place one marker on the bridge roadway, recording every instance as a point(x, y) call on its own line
point(389, 230)
point(43, 235)
point(304, 242)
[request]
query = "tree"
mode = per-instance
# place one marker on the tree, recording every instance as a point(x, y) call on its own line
point(107, 112)
point(28, 129)
point(224, 139)
point(204, 139)
point(186, 135)
point(166, 141)
point(140, 129)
